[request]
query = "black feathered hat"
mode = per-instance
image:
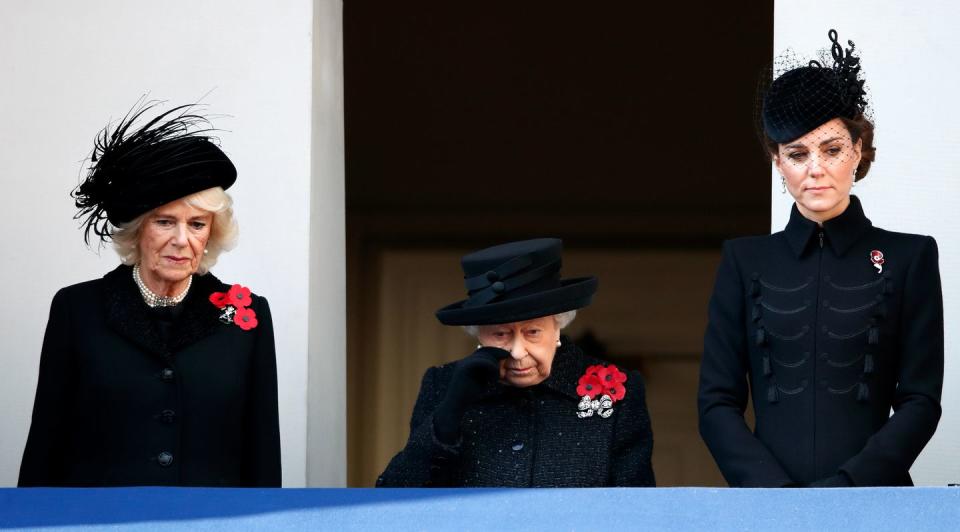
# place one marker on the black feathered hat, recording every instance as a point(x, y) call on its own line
point(134, 170)
point(801, 99)
point(515, 282)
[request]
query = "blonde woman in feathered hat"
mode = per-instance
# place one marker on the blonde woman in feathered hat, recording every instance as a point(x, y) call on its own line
point(158, 373)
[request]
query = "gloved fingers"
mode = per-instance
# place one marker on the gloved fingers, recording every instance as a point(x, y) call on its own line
point(494, 353)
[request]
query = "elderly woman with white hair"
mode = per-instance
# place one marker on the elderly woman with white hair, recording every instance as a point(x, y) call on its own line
point(527, 408)
point(158, 373)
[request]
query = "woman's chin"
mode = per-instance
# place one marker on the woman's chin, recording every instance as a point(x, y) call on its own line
point(523, 379)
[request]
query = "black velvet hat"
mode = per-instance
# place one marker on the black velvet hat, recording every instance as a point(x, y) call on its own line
point(801, 99)
point(135, 170)
point(515, 282)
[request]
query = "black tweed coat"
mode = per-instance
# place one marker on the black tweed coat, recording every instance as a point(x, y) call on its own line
point(529, 437)
point(828, 343)
point(118, 405)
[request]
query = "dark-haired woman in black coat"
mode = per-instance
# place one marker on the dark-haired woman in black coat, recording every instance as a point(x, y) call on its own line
point(527, 408)
point(829, 323)
point(158, 373)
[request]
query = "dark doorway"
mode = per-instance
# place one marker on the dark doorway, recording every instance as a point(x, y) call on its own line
point(624, 128)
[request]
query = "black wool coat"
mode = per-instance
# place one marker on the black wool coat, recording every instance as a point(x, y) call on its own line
point(118, 405)
point(827, 342)
point(529, 437)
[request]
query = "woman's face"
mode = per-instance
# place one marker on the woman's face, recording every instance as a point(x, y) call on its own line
point(818, 169)
point(172, 240)
point(532, 345)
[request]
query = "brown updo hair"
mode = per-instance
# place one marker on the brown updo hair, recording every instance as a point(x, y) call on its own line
point(860, 128)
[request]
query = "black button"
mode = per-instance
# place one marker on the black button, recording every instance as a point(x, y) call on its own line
point(498, 287)
point(166, 374)
point(167, 416)
point(493, 276)
point(164, 459)
point(517, 446)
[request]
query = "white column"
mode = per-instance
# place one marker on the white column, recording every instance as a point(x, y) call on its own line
point(326, 422)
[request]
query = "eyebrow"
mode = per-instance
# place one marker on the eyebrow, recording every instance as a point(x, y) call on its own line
point(799, 145)
point(169, 215)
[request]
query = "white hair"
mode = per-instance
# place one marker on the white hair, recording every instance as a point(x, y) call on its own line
point(562, 320)
point(223, 230)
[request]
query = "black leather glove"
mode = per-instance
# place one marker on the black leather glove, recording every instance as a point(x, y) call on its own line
point(470, 377)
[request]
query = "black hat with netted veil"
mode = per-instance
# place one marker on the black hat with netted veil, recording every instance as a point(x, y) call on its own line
point(801, 98)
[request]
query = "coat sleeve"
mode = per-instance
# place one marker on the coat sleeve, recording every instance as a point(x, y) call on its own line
point(425, 460)
point(44, 455)
point(888, 454)
point(263, 420)
point(632, 447)
point(724, 391)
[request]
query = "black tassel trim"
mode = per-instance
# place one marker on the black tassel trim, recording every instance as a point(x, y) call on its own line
point(766, 365)
point(761, 336)
point(867, 364)
point(756, 312)
point(773, 395)
point(873, 337)
point(863, 392)
point(755, 288)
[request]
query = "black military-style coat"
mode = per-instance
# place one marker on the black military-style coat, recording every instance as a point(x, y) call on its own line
point(118, 405)
point(829, 336)
point(529, 437)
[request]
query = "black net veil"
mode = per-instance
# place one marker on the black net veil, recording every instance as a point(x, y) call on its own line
point(800, 97)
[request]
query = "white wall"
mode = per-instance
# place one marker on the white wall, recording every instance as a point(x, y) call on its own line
point(67, 68)
point(909, 52)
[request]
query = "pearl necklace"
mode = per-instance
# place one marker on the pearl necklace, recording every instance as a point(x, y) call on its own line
point(153, 300)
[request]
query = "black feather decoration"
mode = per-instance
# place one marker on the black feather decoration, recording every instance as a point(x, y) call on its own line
point(135, 168)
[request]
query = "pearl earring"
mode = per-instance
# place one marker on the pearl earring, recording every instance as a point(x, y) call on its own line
point(558, 342)
point(205, 251)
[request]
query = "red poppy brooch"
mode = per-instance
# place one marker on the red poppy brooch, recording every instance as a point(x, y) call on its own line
point(598, 389)
point(236, 307)
point(876, 258)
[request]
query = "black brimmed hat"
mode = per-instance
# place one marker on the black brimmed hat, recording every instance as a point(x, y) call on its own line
point(803, 98)
point(515, 282)
point(135, 170)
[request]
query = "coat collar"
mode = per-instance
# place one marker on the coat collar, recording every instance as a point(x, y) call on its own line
point(129, 316)
point(840, 232)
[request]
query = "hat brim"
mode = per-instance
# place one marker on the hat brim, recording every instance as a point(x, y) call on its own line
point(572, 294)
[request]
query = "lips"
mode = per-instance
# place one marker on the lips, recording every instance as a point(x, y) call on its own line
point(178, 260)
